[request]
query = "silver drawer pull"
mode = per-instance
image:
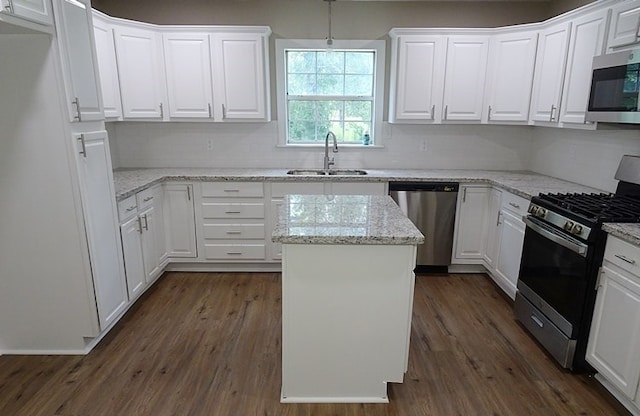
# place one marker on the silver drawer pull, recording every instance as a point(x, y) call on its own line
point(234, 232)
point(232, 212)
point(147, 199)
point(537, 321)
point(131, 208)
point(232, 190)
point(513, 204)
point(624, 258)
point(234, 253)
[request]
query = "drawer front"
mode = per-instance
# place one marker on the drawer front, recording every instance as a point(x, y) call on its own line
point(234, 231)
point(145, 198)
point(127, 208)
point(623, 254)
point(514, 203)
point(280, 189)
point(233, 189)
point(232, 210)
point(234, 251)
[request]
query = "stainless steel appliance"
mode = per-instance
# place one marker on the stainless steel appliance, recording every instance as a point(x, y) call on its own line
point(432, 208)
point(561, 256)
point(615, 88)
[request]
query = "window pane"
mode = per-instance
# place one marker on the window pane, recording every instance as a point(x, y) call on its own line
point(357, 110)
point(330, 85)
point(360, 85)
point(330, 110)
point(302, 110)
point(331, 62)
point(301, 84)
point(359, 63)
point(354, 131)
point(337, 128)
point(302, 131)
point(301, 62)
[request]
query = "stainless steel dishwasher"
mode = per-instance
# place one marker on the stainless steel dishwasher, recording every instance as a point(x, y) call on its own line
point(431, 207)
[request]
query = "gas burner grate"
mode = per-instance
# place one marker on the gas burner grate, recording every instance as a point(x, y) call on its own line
point(597, 207)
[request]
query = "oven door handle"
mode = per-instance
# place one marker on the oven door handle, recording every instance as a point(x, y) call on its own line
point(575, 246)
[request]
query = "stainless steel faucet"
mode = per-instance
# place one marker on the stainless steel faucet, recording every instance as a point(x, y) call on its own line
point(329, 161)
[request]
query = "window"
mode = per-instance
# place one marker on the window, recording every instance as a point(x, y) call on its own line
point(322, 90)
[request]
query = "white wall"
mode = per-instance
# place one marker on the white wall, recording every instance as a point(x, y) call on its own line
point(587, 157)
point(254, 145)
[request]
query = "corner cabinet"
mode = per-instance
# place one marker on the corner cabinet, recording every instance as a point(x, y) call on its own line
point(179, 217)
point(614, 339)
point(101, 224)
point(469, 241)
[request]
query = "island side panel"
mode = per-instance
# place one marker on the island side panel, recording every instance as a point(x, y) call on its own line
point(346, 320)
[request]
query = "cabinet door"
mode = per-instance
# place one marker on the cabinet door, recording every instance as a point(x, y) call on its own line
point(471, 213)
point(418, 77)
point(614, 339)
point(466, 70)
point(586, 41)
point(140, 67)
point(239, 76)
point(188, 67)
point(133, 260)
point(507, 264)
point(75, 30)
point(38, 11)
point(551, 61)
point(625, 24)
point(179, 220)
point(493, 223)
point(149, 225)
point(106, 57)
point(510, 76)
point(101, 223)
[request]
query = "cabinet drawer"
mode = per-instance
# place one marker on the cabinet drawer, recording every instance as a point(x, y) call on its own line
point(145, 198)
point(234, 231)
point(127, 208)
point(234, 251)
point(280, 189)
point(622, 254)
point(514, 203)
point(233, 189)
point(232, 210)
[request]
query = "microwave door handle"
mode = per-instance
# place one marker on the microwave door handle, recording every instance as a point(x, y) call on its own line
point(576, 247)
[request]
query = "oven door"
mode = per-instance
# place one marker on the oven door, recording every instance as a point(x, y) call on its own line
point(554, 274)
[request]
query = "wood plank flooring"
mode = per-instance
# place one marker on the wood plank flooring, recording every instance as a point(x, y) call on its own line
point(209, 344)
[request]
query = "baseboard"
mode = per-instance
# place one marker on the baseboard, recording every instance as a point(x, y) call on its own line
point(467, 268)
point(224, 267)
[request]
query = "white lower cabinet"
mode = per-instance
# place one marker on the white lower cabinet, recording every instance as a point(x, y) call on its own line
point(179, 217)
point(469, 241)
point(492, 239)
point(130, 232)
point(614, 339)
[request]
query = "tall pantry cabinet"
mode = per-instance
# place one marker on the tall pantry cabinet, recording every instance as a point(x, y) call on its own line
point(61, 264)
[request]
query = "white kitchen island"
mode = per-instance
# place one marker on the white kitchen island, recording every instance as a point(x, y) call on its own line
point(347, 296)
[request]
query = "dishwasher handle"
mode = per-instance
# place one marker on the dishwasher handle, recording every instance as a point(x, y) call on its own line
point(424, 186)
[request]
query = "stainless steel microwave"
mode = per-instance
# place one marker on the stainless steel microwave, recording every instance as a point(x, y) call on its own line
point(615, 88)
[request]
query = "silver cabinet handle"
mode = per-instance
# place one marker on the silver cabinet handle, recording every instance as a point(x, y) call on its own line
point(224, 111)
point(161, 111)
point(232, 212)
point(146, 222)
point(433, 112)
point(464, 195)
point(446, 111)
point(513, 204)
point(234, 232)
point(499, 216)
point(234, 253)
point(231, 190)
point(625, 258)
point(147, 199)
point(131, 208)
point(210, 113)
point(189, 193)
point(489, 114)
point(83, 152)
point(139, 225)
point(76, 102)
point(552, 112)
point(9, 7)
point(537, 321)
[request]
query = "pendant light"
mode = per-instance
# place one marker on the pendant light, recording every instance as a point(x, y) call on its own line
point(330, 35)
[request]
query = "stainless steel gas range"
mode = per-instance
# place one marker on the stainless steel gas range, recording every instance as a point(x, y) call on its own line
point(561, 256)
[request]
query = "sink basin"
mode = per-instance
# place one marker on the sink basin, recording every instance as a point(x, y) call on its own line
point(307, 172)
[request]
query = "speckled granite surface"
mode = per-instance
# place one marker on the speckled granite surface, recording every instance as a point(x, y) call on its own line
point(524, 184)
point(343, 219)
point(626, 232)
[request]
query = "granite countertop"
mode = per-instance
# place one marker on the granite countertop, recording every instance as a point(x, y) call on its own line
point(629, 232)
point(344, 219)
point(522, 183)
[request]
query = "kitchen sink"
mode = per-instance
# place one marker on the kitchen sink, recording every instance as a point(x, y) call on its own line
point(336, 172)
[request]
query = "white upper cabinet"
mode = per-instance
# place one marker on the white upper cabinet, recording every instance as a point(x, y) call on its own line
point(188, 69)
point(551, 61)
point(79, 64)
point(38, 11)
point(240, 76)
point(464, 84)
point(510, 76)
point(106, 56)
point(586, 41)
point(625, 24)
point(417, 74)
point(141, 70)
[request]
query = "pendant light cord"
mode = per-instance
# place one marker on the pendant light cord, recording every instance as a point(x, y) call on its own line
point(330, 37)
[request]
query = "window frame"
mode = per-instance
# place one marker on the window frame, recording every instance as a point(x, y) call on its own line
point(378, 46)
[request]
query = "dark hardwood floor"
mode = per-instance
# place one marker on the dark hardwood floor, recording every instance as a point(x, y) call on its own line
point(209, 344)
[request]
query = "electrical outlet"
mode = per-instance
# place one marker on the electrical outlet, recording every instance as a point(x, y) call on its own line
point(424, 145)
point(210, 144)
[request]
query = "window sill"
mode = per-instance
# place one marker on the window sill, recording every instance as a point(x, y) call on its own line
point(321, 146)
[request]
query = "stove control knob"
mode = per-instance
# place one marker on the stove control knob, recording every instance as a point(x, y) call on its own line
point(568, 225)
point(541, 212)
point(577, 229)
point(533, 209)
